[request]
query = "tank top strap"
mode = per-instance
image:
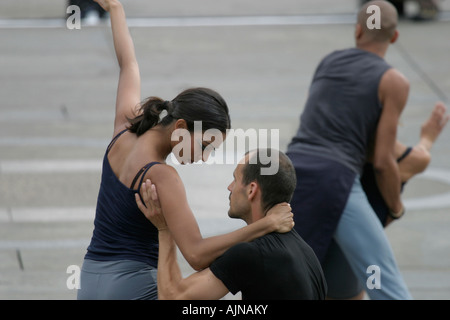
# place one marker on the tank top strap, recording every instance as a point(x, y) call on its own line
point(114, 140)
point(141, 173)
point(405, 154)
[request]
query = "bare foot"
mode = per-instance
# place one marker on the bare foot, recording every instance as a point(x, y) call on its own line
point(432, 128)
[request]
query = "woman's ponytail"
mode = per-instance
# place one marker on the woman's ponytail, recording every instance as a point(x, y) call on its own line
point(149, 115)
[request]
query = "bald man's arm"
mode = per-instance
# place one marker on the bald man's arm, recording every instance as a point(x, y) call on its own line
point(393, 93)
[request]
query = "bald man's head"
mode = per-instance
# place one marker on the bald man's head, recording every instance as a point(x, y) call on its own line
point(388, 22)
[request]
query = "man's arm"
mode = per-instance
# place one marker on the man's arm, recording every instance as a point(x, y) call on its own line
point(202, 285)
point(393, 93)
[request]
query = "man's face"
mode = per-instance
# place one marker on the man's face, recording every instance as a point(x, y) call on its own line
point(239, 203)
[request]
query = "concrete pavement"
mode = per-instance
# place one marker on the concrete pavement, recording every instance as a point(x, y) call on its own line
point(57, 98)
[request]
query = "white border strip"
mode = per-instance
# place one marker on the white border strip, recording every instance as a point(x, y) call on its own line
point(47, 214)
point(214, 21)
point(49, 166)
point(44, 244)
point(195, 21)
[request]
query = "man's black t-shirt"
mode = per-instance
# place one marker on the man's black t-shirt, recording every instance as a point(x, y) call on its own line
point(275, 266)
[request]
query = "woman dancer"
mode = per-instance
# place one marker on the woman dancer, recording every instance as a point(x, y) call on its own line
point(121, 259)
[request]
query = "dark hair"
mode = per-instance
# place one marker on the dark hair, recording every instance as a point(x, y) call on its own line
point(195, 104)
point(275, 188)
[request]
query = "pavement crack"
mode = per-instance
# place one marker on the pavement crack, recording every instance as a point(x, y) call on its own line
point(19, 259)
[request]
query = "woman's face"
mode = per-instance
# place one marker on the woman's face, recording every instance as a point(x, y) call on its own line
point(193, 147)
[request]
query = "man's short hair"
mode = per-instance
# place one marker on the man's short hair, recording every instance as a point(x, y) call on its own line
point(275, 188)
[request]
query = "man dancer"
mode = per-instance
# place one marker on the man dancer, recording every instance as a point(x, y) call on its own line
point(274, 266)
point(355, 99)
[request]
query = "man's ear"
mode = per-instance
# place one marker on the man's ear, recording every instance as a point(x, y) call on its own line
point(395, 37)
point(358, 31)
point(252, 191)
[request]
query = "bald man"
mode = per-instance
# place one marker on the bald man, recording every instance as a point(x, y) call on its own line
point(355, 101)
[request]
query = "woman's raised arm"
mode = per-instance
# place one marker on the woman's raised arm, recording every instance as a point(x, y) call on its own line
point(129, 87)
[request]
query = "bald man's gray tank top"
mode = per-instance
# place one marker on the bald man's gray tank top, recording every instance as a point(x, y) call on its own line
point(343, 108)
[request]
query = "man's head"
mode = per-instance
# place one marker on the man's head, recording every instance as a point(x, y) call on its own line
point(376, 24)
point(252, 194)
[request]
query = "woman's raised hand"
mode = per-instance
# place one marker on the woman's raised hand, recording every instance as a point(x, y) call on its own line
point(283, 218)
point(106, 4)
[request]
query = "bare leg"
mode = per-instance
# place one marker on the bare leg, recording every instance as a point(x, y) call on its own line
point(420, 156)
point(432, 128)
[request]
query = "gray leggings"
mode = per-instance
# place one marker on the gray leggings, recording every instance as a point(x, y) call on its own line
point(117, 280)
